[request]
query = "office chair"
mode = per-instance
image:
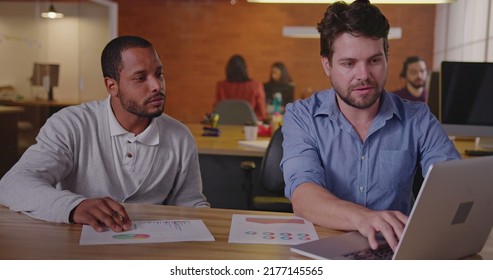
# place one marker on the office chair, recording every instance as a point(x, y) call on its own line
point(235, 111)
point(271, 179)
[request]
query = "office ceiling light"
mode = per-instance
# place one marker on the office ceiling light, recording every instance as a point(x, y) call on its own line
point(372, 1)
point(311, 32)
point(52, 13)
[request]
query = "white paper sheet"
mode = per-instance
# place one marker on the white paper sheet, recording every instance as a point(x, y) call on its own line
point(259, 229)
point(149, 232)
point(260, 145)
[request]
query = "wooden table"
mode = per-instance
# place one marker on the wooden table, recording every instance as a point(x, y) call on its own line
point(22, 237)
point(220, 158)
point(463, 144)
point(224, 144)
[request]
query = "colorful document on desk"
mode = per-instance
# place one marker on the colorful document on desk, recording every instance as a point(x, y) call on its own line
point(149, 232)
point(259, 229)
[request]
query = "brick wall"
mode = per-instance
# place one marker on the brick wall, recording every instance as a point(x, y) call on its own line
point(196, 38)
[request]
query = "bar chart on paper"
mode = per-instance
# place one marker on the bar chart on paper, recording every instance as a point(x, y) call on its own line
point(149, 232)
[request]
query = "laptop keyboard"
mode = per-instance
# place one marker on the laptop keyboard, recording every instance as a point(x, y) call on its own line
point(384, 252)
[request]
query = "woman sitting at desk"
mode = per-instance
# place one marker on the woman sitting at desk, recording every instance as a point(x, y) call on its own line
point(279, 81)
point(238, 85)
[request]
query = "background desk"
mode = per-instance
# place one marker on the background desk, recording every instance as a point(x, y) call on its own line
point(37, 111)
point(226, 143)
point(33, 117)
point(220, 159)
point(25, 238)
point(463, 144)
point(9, 116)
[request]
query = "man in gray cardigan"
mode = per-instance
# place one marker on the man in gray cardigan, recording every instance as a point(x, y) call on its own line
point(91, 157)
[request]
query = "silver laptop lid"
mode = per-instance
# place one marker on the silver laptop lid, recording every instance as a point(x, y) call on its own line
point(453, 214)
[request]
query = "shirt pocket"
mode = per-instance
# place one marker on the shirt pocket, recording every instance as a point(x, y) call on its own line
point(395, 169)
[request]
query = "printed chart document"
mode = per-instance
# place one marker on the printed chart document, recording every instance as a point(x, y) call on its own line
point(149, 232)
point(259, 229)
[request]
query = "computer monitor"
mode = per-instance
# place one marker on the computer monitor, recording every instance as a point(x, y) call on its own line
point(45, 75)
point(466, 100)
point(433, 92)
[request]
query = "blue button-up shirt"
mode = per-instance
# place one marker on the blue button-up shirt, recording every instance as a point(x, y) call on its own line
point(322, 147)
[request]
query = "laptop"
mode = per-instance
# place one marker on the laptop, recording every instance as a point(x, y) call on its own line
point(451, 218)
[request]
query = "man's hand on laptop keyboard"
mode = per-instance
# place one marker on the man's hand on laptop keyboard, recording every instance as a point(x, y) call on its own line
point(389, 224)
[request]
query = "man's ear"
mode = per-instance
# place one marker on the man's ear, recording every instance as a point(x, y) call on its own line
point(325, 64)
point(111, 86)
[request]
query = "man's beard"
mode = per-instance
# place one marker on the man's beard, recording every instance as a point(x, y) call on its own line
point(132, 106)
point(365, 104)
point(417, 85)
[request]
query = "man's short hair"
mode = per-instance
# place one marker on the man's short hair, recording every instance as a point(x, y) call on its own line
point(359, 18)
point(409, 60)
point(111, 58)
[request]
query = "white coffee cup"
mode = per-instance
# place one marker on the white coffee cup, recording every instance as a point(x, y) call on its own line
point(251, 132)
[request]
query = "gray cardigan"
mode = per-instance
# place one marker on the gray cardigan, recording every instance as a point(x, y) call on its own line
point(72, 160)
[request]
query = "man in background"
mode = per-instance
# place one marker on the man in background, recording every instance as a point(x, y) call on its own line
point(414, 72)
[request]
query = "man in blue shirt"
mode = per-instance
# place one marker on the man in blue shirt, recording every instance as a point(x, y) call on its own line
point(351, 152)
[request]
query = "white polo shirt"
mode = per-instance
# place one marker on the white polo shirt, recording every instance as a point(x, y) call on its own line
point(132, 154)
